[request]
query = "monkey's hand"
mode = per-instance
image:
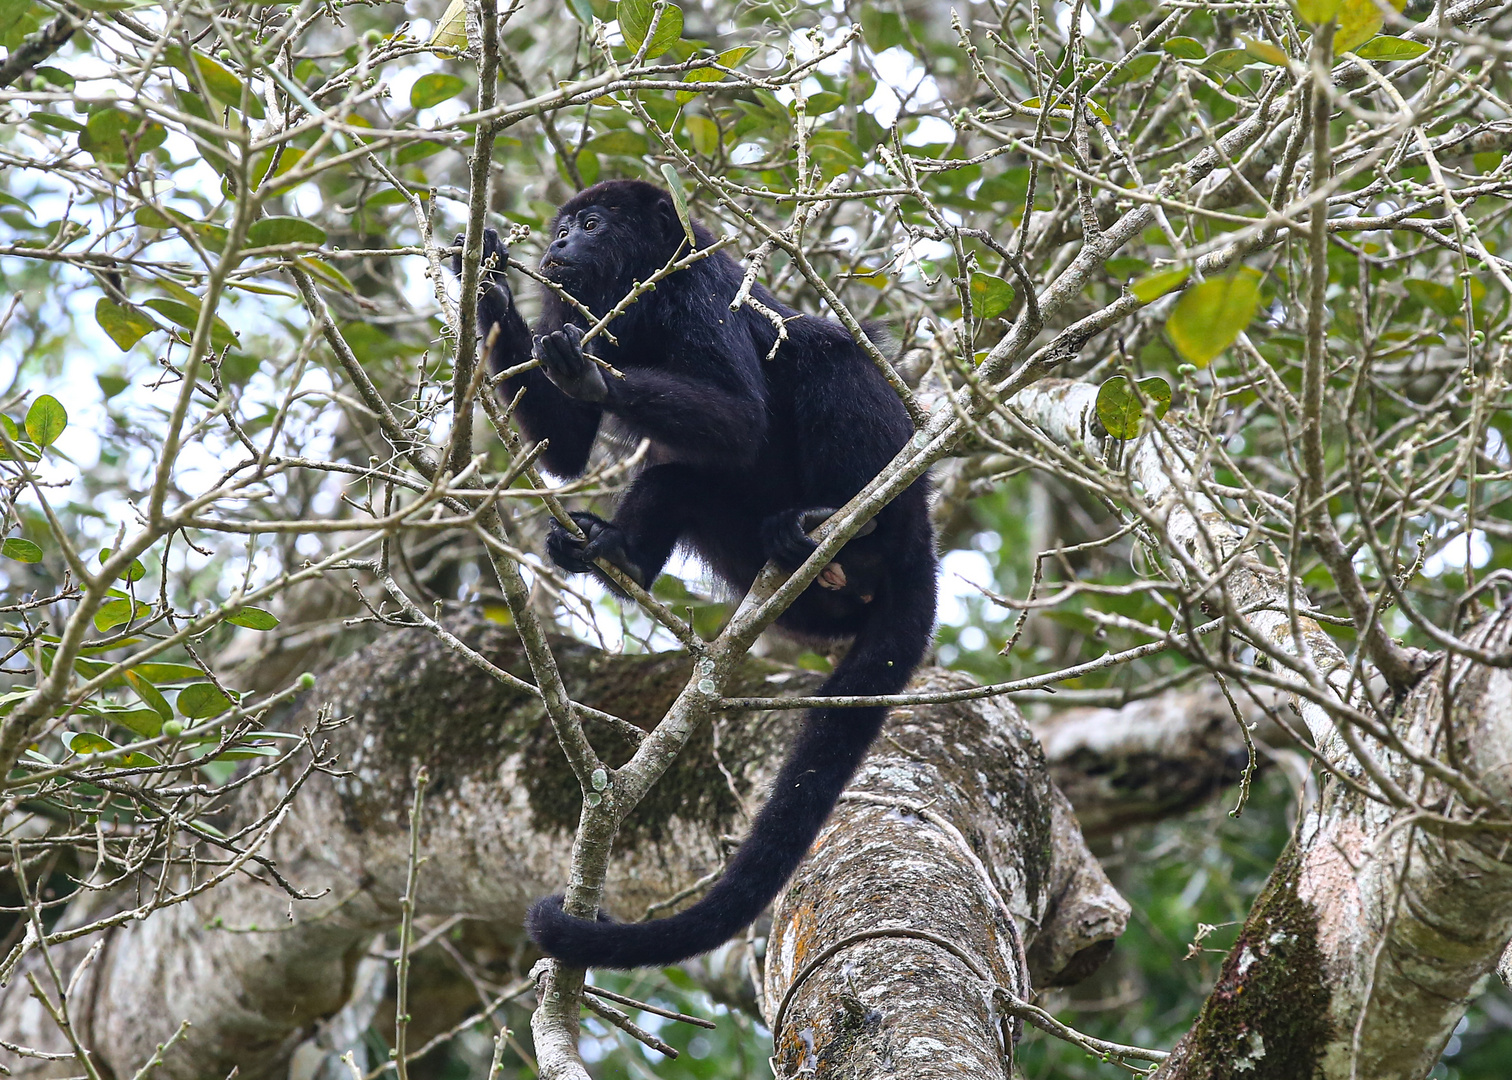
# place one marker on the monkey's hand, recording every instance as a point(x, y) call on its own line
point(494, 297)
point(785, 540)
point(561, 356)
point(602, 540)
point(495, 259)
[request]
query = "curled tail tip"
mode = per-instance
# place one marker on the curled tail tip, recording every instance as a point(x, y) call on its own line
point(547, 924)
point(562, 936)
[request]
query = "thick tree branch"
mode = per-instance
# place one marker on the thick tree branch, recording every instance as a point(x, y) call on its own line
point(1377, 924)
point(1151, 759)
point(252, 971)
point(951, 856)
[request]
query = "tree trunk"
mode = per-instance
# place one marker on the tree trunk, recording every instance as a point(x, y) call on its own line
point(252, 970)
point(1378, 923)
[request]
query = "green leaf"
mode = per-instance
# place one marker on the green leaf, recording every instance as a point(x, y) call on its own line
point(990, 296)
point(1154, 286)
point(135, 572)
point(57, 77)
point(86, 742)
point(451, 28)
point(111, 384)
point(254, 618)
point(243, 753)
point(1120, 409)
point(175, 311)
point(123, 325)
point(57, 123)
point(118, 612)
point(822, 102)
point(435, 88)
point(19, 203)
point(168, 673)
point(1209, 316)
point(703, 133)
point(1137, 68)
point(635, 22)
point(328, 273)
point(1436, 295)
point(21, 550)
point(272, 231)
point(28, 451)
point(186, 315)
point(270, 166)
point(621, 142)
point(416, 151)
point(1184, 48)
point(1264, 51)
point(225, 87)
point(144, 722)
point(201, 701)
point(1386, 47)
point(1359, 21)
point(150, 217)
point(882, 29)
point(679, 200)
point(582, 11)
point(1035, 103)
point(112, 135)
point(729, 58)
point(1227, 61)
point(45, 420)
point(149, 694)
point(1124, 266)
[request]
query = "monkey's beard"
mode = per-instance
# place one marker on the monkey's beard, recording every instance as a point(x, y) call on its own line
point(564, 274)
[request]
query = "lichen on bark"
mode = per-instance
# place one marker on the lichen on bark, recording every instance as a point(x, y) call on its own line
point(1267, 1017)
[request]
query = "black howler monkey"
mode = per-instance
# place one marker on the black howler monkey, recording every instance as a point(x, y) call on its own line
point(747, 456)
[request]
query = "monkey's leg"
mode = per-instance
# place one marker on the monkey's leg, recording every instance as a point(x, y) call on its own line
point(650, 518)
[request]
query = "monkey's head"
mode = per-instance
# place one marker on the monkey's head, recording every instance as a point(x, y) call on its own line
point(608, 236)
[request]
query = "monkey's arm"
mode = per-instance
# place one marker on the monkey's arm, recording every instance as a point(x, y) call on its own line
point(544, 412)
point(700, 422)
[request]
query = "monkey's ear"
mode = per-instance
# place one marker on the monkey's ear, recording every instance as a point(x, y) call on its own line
point(666, 217)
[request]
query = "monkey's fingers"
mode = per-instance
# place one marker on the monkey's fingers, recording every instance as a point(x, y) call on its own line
point(815, 516)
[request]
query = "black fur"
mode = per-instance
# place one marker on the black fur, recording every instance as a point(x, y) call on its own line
point(748, 456)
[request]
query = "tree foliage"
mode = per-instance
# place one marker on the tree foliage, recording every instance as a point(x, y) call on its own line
point(243, 428)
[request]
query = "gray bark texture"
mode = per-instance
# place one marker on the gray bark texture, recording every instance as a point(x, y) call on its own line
point(1379, 922)
point(1153, 759)
point(252, 971)
point(974, 844)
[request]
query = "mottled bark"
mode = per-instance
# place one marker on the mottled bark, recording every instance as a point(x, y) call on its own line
point(252, 971)
point(1377, 925)
point(951, 848)
point(1154, 758)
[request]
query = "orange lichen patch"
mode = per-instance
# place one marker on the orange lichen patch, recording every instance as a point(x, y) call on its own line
point(803, 929)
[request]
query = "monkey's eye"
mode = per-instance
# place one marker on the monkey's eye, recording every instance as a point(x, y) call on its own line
point(590, 224)
point(562, 233)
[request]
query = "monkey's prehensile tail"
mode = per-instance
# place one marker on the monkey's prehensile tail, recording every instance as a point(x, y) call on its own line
point(827, 752)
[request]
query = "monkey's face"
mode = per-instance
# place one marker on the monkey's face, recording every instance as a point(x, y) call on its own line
point(599, 247)
point(581, 248)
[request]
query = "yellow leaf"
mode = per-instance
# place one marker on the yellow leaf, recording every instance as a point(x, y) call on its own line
point(1359, 21)
point(1263, 51)
point(451, 28)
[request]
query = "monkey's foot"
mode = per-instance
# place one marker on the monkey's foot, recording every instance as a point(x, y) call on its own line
point(601, 540)
point(785, 540)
